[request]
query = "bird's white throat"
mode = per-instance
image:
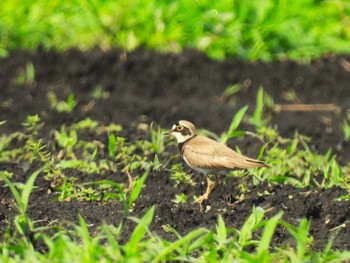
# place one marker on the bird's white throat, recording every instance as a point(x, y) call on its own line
point(180, 138)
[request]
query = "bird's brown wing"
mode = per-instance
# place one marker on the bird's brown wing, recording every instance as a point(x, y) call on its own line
point(209, 154)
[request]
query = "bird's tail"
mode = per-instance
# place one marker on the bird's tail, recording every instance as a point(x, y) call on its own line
point(252, 163)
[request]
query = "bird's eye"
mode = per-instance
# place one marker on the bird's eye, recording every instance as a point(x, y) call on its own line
point(179, 128)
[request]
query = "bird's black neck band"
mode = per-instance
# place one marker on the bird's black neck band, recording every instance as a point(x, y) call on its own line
point(181, 145)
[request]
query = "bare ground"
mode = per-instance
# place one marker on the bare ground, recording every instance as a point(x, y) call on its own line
point(153, 87)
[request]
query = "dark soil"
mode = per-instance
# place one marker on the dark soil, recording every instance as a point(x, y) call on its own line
point(160, 88)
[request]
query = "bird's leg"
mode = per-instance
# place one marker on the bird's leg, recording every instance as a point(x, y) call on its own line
point(210, 187)
point(215, 184)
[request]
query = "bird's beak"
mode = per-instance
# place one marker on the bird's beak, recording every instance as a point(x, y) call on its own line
point(166, 133)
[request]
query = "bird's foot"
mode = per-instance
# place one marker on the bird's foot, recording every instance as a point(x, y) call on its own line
point(200, 200)
point(210, 187)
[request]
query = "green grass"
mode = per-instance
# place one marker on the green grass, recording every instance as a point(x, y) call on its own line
point(252, 30)
point(200, 245)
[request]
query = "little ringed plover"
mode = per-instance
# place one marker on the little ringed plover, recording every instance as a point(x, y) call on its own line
point(207, 156)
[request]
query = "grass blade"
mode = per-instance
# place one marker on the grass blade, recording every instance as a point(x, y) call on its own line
point(112, 145)
point(117, 186)
point(137, 188)
point(28, 187)
point(269, 229)
point(245, 234)
point(22, 199)
point(192, 235)
point(259, 104)
point(301, 235)
point(140, 231)
point(236, 121)
point(221, 231)
point(14, 191)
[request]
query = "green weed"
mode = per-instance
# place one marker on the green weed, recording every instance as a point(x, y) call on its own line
point(155, 144)
point(222, 244)
point(99, 93)
point(180, 198)
point(263, 101)
point(291, 161)
point(299, 166)
point(62, 242)
point(346, 130)
point(62, 106)
point(86, 125)
point(35, 150)
point(8, 154)
point(66, 140)
point(24, 225)
point(112, 146)
point(256, 31)
point(180, 176)
point(28, 76)
point(231, 90)
point(303, 240)
point(33, 124)
point(232, 131)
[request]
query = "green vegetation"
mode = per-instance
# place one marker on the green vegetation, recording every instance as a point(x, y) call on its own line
point(61, 106)
point(292, 162)
point(28, 76)
point(346, 127)
point(180, 176)
point(222, 244)
point(251, 30)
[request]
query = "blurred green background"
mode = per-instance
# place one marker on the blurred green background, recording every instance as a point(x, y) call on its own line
point(250, 30)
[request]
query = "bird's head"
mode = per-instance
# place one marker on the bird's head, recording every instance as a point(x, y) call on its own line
point(182, 131)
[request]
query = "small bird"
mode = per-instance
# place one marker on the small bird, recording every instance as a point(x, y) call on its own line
point(207, 156)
